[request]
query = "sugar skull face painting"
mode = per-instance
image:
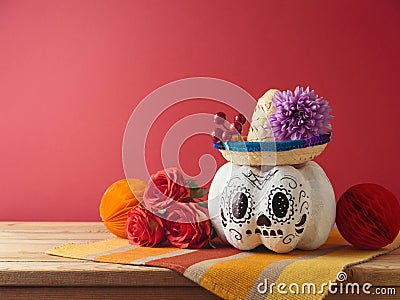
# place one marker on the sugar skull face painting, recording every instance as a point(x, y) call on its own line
point(281, 207)
point(270, 192)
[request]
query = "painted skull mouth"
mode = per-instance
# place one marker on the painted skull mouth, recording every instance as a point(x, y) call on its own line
point(268, 233)
point(263, 222)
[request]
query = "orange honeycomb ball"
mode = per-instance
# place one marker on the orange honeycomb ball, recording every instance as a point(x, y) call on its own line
point(117, 201)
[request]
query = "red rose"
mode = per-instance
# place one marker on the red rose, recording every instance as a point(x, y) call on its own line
point(187, 225)
point(143, 228)
point(164, 188)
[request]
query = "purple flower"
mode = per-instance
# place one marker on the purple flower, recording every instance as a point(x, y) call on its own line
point(299, 115)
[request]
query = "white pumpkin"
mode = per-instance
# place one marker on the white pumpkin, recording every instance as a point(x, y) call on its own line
point(281, 207)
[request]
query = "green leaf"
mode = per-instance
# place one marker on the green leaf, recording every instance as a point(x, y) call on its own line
point(203, 204)
point(198, 192)
point(192, 184)
point(213, 235)
point(162, 211)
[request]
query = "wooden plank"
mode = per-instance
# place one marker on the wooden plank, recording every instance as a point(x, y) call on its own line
point(73, 266)
point(55, 243)
point(52, 227)
point(391, 293)
point(118, 293)
point(32, 250)
point(18, 236)
point(383, 270)
point(33, 246)
point(393, 255)
point(23, 262)
point(86, 273)
point(149, 293)
point(32, 257)
point(393, 263)
point(384, 275)
point(63, 231)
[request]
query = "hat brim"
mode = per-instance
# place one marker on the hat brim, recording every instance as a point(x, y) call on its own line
point(273, 153)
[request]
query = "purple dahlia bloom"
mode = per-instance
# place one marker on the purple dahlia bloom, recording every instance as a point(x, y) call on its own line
point(299, 115)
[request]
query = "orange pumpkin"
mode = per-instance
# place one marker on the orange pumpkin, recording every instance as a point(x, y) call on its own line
point(117, 201)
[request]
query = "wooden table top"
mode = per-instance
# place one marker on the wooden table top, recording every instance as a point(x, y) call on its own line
point(24, 267)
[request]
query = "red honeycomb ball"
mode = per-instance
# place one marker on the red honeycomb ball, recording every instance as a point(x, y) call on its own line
point(368, 216)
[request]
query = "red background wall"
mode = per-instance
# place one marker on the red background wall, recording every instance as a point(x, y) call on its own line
point(71, 72)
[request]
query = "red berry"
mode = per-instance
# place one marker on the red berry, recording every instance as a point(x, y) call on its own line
point(240, 118)
point(226, 136)
point(219, 117)
point(237, 126)
point(216, 135)
point(218, 132)
point(214, 138)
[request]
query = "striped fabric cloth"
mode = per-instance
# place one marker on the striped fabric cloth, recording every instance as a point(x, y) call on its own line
point(234, 274)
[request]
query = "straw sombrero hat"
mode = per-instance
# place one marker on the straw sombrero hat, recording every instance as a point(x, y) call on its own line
point(294, 147)
point(273, 153)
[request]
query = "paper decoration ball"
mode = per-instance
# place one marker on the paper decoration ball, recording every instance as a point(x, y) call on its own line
point(117, 201)
point(367, 216)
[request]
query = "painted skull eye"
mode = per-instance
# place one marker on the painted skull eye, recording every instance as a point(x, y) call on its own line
point(280, 204)
point(239, 205)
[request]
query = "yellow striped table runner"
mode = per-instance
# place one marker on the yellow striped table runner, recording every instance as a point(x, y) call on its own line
point(233, 274)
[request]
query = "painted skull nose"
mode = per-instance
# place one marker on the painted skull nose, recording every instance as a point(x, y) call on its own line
point(263, 221)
